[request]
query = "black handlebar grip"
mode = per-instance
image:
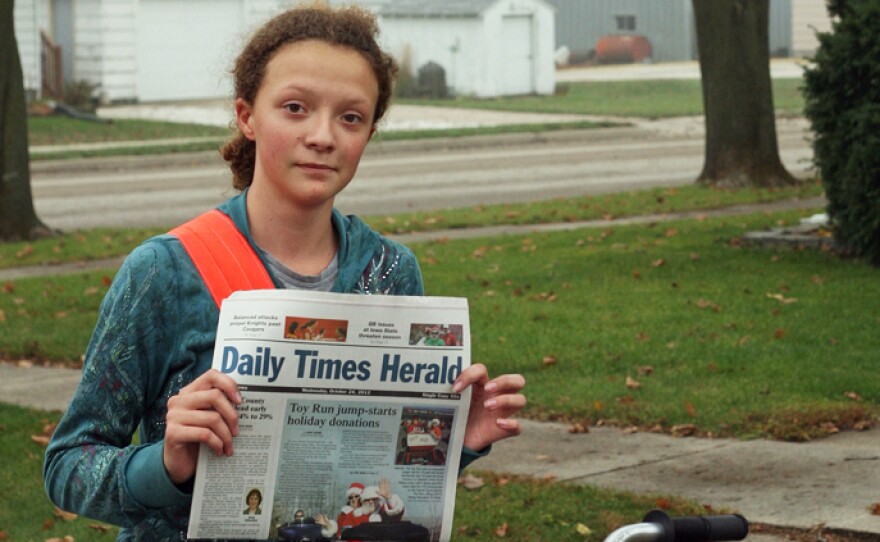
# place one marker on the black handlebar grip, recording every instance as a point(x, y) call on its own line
point(700, 528)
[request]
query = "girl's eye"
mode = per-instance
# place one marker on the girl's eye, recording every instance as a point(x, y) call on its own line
point(351, 118)
point(294, 107)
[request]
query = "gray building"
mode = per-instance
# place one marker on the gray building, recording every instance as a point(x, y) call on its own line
point(667, 24)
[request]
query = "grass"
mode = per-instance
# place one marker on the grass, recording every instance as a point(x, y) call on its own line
point(660, 325)
point(102, 243)
point(60, 130)
point(672, 324)
point(650, 99)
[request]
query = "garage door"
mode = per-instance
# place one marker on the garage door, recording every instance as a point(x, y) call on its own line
point(516, 33)
point(185, 48)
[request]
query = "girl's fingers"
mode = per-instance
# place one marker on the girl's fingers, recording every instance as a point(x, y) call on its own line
point(214, 379)
point(474, 374)
point(200, 429)
point(512, 402)
point(208, 400)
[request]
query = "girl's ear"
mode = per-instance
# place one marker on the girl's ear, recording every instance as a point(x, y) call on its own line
point(243, 118)
point(373, 131)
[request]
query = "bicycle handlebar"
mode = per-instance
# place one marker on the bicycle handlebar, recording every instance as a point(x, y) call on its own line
point(657, 526)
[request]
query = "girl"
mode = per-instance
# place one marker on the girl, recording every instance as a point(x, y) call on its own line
point(310, 87)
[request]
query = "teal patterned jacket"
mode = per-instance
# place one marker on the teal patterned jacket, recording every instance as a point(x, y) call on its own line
point(155, 334)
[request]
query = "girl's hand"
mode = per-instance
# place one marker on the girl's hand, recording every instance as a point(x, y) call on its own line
point(493, 402)
point(203, 411)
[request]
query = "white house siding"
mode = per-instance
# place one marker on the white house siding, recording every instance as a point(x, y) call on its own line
point(808, 16)
point(28, 17)
point(526, 28)
point(184, 49)
point(453, 43)
point(104, 33)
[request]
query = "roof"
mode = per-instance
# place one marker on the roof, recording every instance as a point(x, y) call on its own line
point(435, 8)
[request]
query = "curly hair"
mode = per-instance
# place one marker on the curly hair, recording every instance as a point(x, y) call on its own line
point(349, 26)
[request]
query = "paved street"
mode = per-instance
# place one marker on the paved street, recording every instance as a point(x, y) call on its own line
point(403, 176)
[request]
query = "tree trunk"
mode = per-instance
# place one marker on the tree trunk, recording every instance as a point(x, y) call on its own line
point(733, 44)
point(18, 220)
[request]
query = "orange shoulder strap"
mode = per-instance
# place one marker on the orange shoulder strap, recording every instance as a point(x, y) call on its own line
point(222, 255)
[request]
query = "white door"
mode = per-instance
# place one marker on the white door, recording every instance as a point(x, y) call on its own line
point(185, 48)
point(517, 73)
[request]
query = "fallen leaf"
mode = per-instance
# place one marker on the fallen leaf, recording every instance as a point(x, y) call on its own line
point(642, 336)
point(501, 530)
point(779, 333)
point(503, 481)
point(630, 430)
point(578, 428)
point(469, 481)
point(66, 516)
point(2, 315)
point(782, 299)
point(8, 288)
point(3, 535)
point(549, 477)
point(48, 524)
point(660, 262)
point(100, 528)
point(583, 529)
point(646, 370)
point(542, 457)
point(671, 232)
point(875, 509)
point(632, 383)
point(706, 304)
point(597, 405)
point(853, 395)
point(637, 275)
point(42, 440)
point(26, 251)
point(25, 363)
point(695, 256)
point(549, 360)
point(626, 400)
point(863, 425)
point(692, 412)
point(683, 430)
point(664, 504)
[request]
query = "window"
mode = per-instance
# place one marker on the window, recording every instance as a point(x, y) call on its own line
point(626, 23)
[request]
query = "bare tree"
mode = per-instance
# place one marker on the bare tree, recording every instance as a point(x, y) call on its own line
point(18, 219)
point(741, 145)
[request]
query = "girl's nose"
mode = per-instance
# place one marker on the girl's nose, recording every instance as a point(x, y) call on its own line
point(319, 132)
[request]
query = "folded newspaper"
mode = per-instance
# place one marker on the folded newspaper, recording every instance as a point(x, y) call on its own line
point(348, 428)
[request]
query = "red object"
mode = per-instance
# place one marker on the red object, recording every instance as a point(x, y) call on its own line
point(617, 49)
point(222, 255)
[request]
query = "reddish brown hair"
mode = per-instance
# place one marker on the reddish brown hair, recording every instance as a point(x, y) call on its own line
point(348, 27)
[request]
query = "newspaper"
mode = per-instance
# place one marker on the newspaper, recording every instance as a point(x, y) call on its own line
point(342, 394)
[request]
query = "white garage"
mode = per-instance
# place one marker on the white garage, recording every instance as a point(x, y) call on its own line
point(486, 47)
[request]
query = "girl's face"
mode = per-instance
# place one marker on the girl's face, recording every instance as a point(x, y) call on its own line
point(311, 120)
point(253, 500)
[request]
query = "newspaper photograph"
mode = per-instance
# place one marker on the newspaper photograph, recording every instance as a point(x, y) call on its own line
point(348, 426)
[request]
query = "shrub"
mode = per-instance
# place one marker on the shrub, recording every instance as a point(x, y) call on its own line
point(842, 95)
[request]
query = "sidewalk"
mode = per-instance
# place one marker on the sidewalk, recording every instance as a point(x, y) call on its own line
point(833, 481)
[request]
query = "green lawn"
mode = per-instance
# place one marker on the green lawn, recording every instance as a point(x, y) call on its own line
point(651, 99)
